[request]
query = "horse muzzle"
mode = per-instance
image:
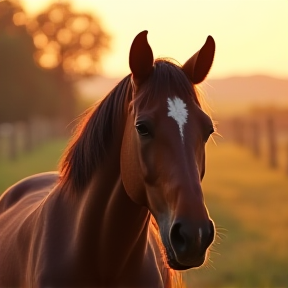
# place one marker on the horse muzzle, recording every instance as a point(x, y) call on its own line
point(188, 244)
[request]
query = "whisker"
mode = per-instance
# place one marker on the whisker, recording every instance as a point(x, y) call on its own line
point(214, 252)
point(221, 236)
point(208, 265)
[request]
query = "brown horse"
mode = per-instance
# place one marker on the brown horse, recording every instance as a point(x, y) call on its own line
point(126, 209)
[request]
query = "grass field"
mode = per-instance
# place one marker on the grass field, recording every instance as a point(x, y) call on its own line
point(247, 200)
point(249, 203)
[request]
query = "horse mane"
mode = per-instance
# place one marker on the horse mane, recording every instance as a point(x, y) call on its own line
point(93, 136)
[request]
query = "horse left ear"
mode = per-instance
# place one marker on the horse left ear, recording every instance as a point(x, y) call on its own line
point(141, 58)
point(198, 66)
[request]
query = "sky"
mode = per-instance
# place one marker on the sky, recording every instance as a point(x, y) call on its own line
point(251, 35)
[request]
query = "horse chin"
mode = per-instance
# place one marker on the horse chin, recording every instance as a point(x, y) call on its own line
point(175, 265)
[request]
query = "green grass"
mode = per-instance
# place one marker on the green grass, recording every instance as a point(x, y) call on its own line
point(44, 158)
point(249, 204)
point(247, 200)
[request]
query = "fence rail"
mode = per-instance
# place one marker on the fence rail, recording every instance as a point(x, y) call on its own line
point(22, 137)
point(266, 137)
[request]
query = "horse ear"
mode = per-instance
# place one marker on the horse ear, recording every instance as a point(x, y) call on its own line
point(198, 66)
point(141, 58)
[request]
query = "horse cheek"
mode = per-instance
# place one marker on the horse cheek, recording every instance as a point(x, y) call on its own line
point(130, 168)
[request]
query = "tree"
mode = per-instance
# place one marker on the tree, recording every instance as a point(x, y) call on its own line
point(12, 17)
point(70, 44)
point(26, 90)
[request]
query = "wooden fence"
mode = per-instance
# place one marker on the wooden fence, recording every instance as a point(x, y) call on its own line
point(22, 137)
point(266, 137)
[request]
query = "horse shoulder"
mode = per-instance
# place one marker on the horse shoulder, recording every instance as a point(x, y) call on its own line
point(17, 221)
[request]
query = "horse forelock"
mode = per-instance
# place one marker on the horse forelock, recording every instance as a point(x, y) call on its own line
point(167, 79)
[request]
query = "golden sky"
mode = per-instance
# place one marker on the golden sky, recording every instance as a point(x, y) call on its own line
point(251, 35)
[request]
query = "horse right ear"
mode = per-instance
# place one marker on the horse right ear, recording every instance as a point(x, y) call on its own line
point(198, 66)
point(141, 58)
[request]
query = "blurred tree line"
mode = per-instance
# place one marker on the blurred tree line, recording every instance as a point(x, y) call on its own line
point(41, 58)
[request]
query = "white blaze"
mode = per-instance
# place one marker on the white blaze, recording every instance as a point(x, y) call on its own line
point(177, 110)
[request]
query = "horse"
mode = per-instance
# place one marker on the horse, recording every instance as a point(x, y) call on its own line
point(126, 207)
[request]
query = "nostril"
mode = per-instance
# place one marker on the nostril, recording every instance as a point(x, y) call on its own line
point(200, 235)
point(206, 236)
point(211, 233)
point(177, 239)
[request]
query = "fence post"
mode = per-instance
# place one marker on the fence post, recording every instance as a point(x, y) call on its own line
point(238, 129)
point(286, 164)
point(255, 138)
point(28, 141)
point(272, 147)
point(8, 141)
point(1, 141)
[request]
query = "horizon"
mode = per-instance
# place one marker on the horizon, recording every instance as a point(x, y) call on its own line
point(225, 77)
point(228, 96)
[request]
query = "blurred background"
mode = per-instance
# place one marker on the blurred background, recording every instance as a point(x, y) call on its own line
point(59, 57)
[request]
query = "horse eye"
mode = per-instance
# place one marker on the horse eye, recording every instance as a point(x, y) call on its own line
point(142, 129)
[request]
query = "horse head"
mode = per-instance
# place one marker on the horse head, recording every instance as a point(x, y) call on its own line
point(163, 149)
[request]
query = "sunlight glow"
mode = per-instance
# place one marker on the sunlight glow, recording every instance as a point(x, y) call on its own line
point(79, 24)
point(64, 36)
point(49, 60)
point(246, 42)
point(40, 40)
point(83, 62)
point(56, 15)
point(19, 19)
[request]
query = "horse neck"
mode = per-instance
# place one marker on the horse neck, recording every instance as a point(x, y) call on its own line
point(111, 228)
